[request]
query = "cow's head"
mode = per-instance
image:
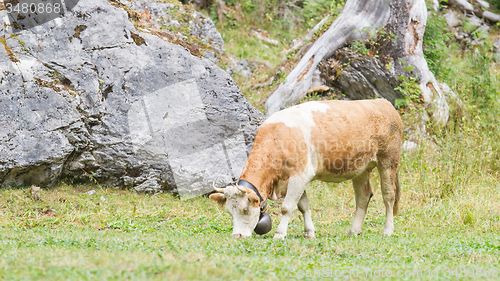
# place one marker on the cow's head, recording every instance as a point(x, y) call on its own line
point(243, 205)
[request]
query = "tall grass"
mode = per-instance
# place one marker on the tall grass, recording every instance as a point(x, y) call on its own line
point(455, 172)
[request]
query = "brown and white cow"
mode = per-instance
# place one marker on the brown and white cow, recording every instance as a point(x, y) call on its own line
point(332, 141)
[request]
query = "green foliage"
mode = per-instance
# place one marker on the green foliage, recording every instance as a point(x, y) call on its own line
point(469, 73)
point(480, 34)
point(496, 3)
point(277, 19)
point(436, 37)
point(212, 12)
point(468, 26)
point(359, 47)
point(230, 2)
point(410, 89)
point(320, 96)
point(248, 6)
point(231, 20)
point(377, 39)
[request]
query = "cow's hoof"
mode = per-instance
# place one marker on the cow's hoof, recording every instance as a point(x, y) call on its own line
point(352, 233)
point(388, 233)
point(278, 236)
point(309, 235)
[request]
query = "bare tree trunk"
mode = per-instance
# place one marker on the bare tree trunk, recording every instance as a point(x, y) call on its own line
point(356, 15)
point(405, 18)
point(407, 21)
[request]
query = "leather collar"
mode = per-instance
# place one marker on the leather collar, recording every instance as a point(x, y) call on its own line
point(252, 187)
point(262, 204)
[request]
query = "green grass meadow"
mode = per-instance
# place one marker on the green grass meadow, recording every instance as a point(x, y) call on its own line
point(70, 235)
point(448, 227)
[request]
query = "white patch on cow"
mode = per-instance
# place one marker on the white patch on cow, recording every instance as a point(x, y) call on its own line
point(300, 116)
point(296, 187)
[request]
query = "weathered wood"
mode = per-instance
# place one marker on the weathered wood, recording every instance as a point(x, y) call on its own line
point(356, 15)
point(413, 55)
point(405, 18)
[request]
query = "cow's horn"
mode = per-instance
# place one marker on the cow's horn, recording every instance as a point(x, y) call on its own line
point(220, 190)
point(241, 188)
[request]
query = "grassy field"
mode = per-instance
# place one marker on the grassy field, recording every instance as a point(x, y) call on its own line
point(448, 225)
point(118, 234)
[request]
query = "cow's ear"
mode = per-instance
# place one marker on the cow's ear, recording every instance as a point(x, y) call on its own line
point(219, 198)
point(254, 200)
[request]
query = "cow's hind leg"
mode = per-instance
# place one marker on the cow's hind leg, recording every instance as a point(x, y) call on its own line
point(388, 172)
point(295, 190)
point(306, 212)
point(363, 192)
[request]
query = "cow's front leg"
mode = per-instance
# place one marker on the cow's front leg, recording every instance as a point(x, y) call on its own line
point(363, 192)
point(294, 193)
point(306, 212)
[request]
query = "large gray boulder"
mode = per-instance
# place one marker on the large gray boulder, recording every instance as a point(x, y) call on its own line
point(87, 96)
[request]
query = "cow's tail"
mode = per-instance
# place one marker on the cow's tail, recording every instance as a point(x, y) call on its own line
point(397, 195)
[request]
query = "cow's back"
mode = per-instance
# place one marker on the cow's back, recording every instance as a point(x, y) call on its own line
point(351, 134)
point(342, 137)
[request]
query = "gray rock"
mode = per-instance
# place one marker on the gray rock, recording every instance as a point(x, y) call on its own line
point(496, 45)
point(165, 15)
point(475, 21)
point(89, 96)
point(149, 186)
point(359, 77)
point(451, 19)
point(211, 56)
point(241, 67)
point(204, 28)
point(484, 3)
point(35, 192)
point(484, 27)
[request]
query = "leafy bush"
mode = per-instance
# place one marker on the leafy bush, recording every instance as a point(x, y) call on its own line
point(435, 38)
point(377, 39)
